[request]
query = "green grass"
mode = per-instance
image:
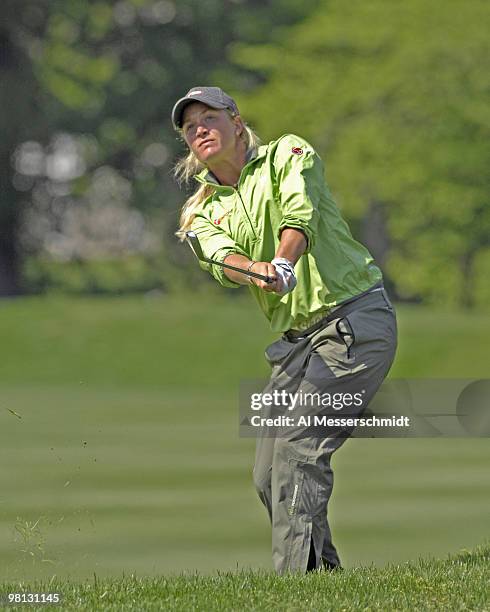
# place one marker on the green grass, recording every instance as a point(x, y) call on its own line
point(133, 342)
point(125, 454)
point(198, 340)
point(457, 583)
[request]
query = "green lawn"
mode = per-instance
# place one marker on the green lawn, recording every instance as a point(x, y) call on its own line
point(120, 447)
point(456, 583)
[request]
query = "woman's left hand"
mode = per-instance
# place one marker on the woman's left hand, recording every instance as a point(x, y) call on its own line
point(285, 272)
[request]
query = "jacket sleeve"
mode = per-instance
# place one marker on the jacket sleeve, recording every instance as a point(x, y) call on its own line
point(300, 180)
point(215, 245)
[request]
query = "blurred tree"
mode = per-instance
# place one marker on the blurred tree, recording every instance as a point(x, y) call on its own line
point(87, 89)
point(395, 95)
point(21, 118)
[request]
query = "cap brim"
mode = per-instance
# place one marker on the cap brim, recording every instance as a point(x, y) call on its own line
point(181, 104)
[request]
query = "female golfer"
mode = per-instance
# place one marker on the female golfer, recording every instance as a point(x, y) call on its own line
point(268, 209)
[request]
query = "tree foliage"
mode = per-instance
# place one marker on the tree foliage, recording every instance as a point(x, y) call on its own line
point(395, 95)
point(87, 89)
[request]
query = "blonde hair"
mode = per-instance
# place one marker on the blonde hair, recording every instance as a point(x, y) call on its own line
point(187, 167)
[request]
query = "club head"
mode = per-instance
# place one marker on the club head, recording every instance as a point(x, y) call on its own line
point(193, 242)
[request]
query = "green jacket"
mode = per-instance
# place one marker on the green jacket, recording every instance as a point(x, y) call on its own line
point(283, 185)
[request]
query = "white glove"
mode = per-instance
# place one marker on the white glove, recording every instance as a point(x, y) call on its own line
point(285, 271)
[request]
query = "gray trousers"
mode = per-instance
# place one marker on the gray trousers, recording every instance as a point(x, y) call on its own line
point(292, 472)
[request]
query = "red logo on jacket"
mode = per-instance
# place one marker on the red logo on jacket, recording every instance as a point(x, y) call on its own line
point(219, 219)
point(297, 150)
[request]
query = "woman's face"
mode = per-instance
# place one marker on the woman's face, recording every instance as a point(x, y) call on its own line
point(211, 134)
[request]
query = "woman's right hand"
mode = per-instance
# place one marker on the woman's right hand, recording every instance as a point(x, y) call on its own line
point(267, 269)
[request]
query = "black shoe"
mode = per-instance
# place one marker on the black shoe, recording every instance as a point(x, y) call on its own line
point(331, 567)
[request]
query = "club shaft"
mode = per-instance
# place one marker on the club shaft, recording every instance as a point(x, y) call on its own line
point(193, 242)
point(262, 277)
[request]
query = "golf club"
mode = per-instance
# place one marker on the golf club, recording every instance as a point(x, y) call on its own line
point(193, 242)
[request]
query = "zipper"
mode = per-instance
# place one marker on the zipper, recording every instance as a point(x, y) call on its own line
point(246, 213)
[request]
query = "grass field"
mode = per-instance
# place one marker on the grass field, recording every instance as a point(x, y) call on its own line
point(457, 583)
point(120, 448)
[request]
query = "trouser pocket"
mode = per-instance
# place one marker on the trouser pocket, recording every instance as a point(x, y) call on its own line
point(387, 301)
point(371, 324)
point(277, 352)
point(346, 334)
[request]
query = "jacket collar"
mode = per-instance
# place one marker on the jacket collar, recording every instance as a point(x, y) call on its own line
point(252, 155)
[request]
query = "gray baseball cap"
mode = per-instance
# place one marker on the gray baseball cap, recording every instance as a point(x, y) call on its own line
point(211, 96)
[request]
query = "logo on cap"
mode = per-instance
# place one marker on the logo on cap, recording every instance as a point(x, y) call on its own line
point(194, 93)
point(297, 150)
